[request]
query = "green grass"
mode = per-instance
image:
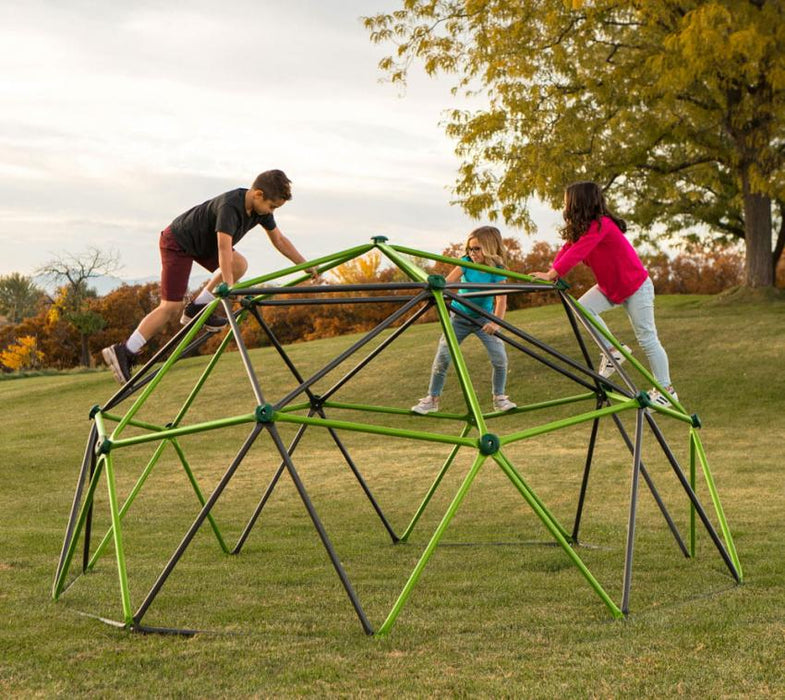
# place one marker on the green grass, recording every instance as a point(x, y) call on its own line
point(498, 610)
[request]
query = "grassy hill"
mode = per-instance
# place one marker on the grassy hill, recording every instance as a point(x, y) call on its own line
point(499, 610)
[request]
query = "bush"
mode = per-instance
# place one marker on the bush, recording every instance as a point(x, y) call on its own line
point(22, 355)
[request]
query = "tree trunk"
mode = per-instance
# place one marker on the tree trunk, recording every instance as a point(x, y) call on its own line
point(758, 268)
point(85, 350)
point(779, 246)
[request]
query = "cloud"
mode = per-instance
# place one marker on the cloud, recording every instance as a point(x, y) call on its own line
point(116, 117)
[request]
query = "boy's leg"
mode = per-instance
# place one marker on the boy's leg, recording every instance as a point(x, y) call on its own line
point(175, 270)
point(239, 267)
point(156, 320)
point(205, 296)
point(121, 356)
point(640, 310)
point(176, 267)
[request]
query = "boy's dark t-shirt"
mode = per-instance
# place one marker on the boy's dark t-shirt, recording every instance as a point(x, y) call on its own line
point(196, 229)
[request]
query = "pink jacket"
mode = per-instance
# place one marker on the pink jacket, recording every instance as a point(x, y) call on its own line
point(614, 262)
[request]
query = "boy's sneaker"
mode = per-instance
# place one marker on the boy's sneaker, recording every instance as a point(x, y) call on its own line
point(427, 404)
point(503, 403)
point(192, 310)
point(120, 360)
point(660, 399)
point(606, 368)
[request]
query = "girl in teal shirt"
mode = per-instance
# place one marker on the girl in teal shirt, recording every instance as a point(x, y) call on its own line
point(484, 246)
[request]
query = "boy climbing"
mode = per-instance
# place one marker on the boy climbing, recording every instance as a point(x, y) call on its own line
point(207, 234)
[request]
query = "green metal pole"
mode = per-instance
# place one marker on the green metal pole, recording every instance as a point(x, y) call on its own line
point(189, 400)
point(553, 403)
point(464, 263)
point(88, 500)
point(683, 417)
point(129, 500)
point(156, 455)
point(449, 334)
point(351, 254)
point(567, 422)
point(176, 353)
point(199, 495)
point(98, 417)
point(134, 422)
point(413, 271)
point(294, 407)
point(340, 257)
point(138, 487)
point(514, 475)
point(405, 536)
point(384, 630)
point(368, 408)
point(627, 355)
point(374, 429)
point(201, 381)
point(365, 408)
point(717, 505)
point(547, 520)
point(460, 365)
point(186, 430)
point(118, 540)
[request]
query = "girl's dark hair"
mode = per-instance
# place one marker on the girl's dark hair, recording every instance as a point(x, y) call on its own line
point(274, 184)
point(584, 203)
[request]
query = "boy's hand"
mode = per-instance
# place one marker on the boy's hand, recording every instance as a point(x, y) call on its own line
point(315, 275)
point(490, 328)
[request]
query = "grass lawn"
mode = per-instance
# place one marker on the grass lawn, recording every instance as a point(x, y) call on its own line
point(499, 610)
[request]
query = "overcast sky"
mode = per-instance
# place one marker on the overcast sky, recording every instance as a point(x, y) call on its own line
point(116, 117)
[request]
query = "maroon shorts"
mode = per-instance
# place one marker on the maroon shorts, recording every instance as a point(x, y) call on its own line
point(176, 266)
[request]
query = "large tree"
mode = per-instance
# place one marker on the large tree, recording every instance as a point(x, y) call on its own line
point(676, 107)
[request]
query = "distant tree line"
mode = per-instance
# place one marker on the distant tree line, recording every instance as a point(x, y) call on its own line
point(69, 328)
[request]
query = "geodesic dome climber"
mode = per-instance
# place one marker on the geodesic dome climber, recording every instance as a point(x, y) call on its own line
point(489, 437)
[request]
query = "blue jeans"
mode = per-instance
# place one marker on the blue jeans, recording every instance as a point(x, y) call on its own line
point(640, 311)
point(496, 353)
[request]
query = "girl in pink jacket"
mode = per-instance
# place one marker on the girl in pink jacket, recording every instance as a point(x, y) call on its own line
point(595, 236)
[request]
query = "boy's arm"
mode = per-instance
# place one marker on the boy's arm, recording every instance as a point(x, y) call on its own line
point(284, 246)
point(225, 257)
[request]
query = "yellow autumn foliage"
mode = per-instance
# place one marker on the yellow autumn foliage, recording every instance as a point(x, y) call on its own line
point(359, 270)
point(22, 355)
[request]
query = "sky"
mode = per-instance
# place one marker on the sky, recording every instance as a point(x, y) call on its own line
point(117, 117)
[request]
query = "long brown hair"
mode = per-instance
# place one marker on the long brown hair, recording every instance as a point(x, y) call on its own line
point(490, 240)
point(584, 203)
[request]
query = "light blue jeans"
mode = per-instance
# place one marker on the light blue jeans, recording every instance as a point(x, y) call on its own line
point(494, 346)
point(640, 311)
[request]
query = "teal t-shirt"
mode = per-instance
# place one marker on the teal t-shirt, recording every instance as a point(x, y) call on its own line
point(478, 276)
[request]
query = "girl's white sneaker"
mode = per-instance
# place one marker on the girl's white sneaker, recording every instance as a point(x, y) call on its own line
point(503, 403)
point(606, 367)
point(660, 399)
point(427, 404)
